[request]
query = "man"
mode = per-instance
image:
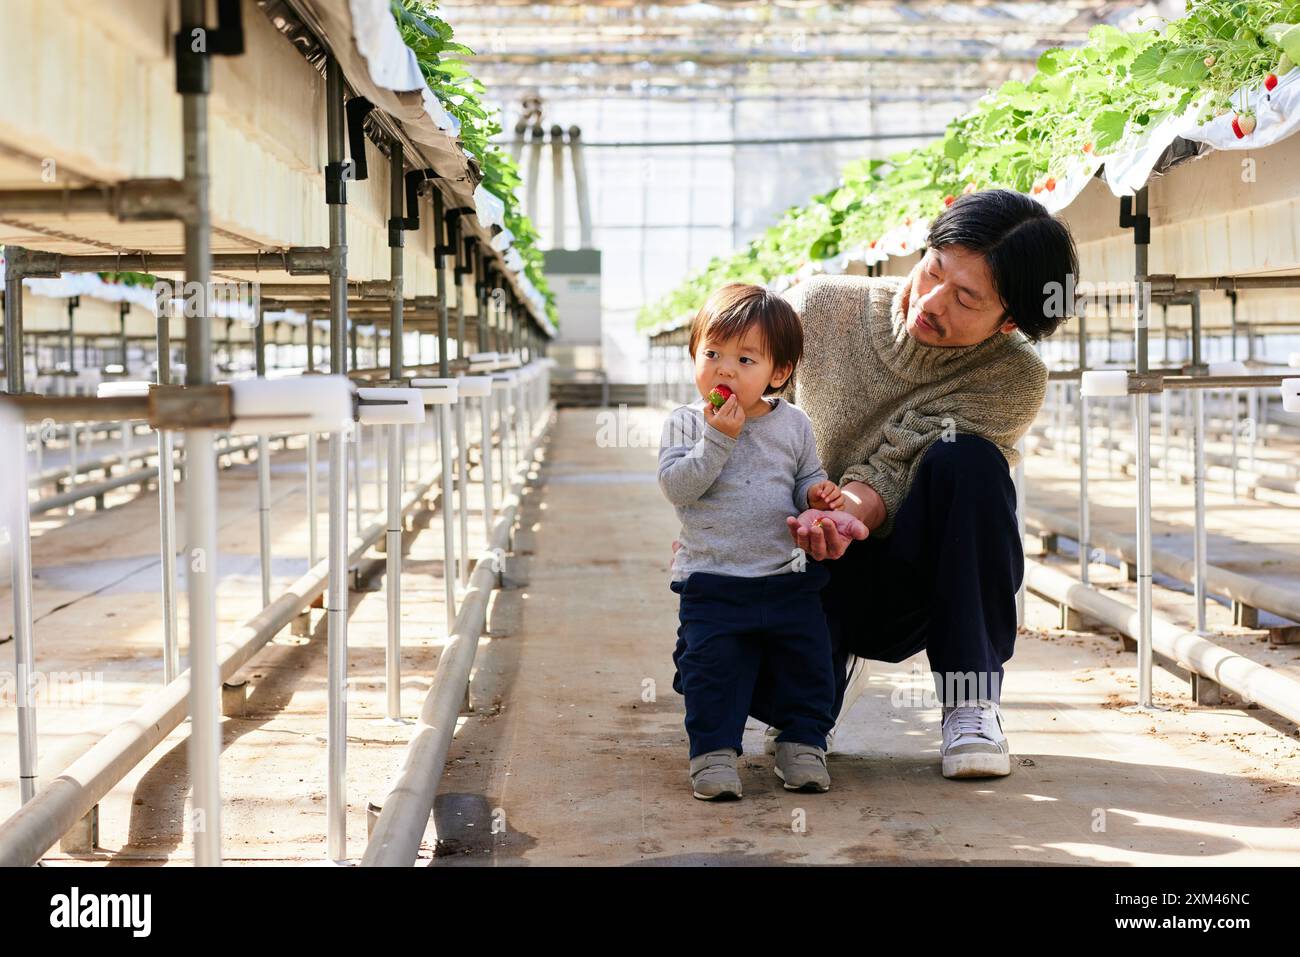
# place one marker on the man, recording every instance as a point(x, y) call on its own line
point(918, 389)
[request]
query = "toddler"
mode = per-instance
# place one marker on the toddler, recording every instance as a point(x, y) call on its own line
point(735, 464)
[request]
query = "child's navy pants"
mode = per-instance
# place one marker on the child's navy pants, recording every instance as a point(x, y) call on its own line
point(736, 633)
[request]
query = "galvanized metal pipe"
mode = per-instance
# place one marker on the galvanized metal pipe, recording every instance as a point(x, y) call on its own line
point(1199, 543)
point(167, 515)
point(26, 835)
point(336, 604)
point(1141, 248)
point(393, 542)
point(406, 808)
point(201, 482)
point(263, 463)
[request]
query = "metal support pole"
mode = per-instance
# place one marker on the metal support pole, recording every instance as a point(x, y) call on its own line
point(1020, 526)
point(1141, 246)
point(201, 476)
point(444, 439)
point(1085, 533)
point(1234, 394)
point(393, 549)
point(313, 545)
point(167, 513)
point(1198, 473)
point(485, 444)
point(448, 510)
point(336, 606)
point(263, 459)
point(20, 547)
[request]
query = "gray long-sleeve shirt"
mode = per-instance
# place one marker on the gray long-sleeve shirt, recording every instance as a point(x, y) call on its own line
point(733, 495)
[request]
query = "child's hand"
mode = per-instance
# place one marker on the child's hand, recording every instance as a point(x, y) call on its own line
point(729, 419)
point(825, 496)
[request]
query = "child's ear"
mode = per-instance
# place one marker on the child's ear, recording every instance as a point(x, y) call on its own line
point(781, 375)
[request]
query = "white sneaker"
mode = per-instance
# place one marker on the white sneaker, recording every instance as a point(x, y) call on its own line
point(973, 743)
point(858, 671)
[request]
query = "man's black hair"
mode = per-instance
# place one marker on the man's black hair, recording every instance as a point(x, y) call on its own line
point(1027, 250)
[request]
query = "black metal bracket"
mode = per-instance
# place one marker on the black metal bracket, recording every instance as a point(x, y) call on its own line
point(194, 43)
point(464, 264)
point(357, 109)
point(413, 180)
point(336, 182)
point(1141, 225)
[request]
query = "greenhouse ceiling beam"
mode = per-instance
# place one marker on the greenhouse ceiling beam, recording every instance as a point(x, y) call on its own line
point(945, 93)
point(295, 260)
point(721, 55)
point(770, 141)
point(1174, 285)
point(129, 201)
point(919, 6)
point(485, 32)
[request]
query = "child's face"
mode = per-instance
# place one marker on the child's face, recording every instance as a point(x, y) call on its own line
point(741, 363)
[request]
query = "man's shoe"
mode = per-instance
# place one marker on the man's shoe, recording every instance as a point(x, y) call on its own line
point(973, 743)
point(713, 775)
point(802, 767)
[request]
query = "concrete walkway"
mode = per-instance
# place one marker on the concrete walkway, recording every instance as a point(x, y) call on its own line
point(575, 751)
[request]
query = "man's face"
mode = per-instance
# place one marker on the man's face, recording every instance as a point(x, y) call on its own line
point(952, 301)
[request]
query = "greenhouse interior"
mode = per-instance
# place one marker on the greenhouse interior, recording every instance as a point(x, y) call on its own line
point(386, 393)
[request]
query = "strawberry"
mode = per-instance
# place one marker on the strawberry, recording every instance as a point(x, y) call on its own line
point(949, 200)
point(1209, 61)
point(1243, 124)
point(1050, 184)
point(968, 189)
point(1270, 81)
point(1087, 147)
point(719, 395)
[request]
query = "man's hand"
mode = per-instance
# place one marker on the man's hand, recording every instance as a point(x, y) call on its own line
point(676, 545)
point(729, 419)
point(825, 496)
point(825, 534)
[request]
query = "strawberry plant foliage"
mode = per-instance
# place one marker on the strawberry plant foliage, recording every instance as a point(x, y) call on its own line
point(444, 69)
point(1086, 100)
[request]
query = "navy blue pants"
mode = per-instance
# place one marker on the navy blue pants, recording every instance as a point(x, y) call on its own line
point(739, 633)
point(944, 580)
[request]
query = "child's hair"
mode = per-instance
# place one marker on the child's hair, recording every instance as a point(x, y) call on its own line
point(732, 309)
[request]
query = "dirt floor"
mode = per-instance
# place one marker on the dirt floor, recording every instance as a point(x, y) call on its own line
point(574, 752)
point(577, 753)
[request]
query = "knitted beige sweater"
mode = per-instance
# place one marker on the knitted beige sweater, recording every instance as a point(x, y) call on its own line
point(879, 398)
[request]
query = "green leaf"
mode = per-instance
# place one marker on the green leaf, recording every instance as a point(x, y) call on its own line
point(1145, 67)
point(1287, 36)
point(1183, 66)
point(1109, 127)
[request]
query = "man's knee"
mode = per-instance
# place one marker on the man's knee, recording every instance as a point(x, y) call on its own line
point(969, 464)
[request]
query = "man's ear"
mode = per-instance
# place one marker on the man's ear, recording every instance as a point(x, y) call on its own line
point(1008, 326)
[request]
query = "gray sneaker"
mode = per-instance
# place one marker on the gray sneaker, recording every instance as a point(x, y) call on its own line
point(802, 767)
point(974, 745)
point(713, 775)
point(770, 735)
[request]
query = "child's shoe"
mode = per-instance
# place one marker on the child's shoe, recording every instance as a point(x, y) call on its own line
point(802, 767)
point(713, 775)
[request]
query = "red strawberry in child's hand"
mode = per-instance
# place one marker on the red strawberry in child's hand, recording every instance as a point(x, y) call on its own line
point(1243, 124)
point(719, 395)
